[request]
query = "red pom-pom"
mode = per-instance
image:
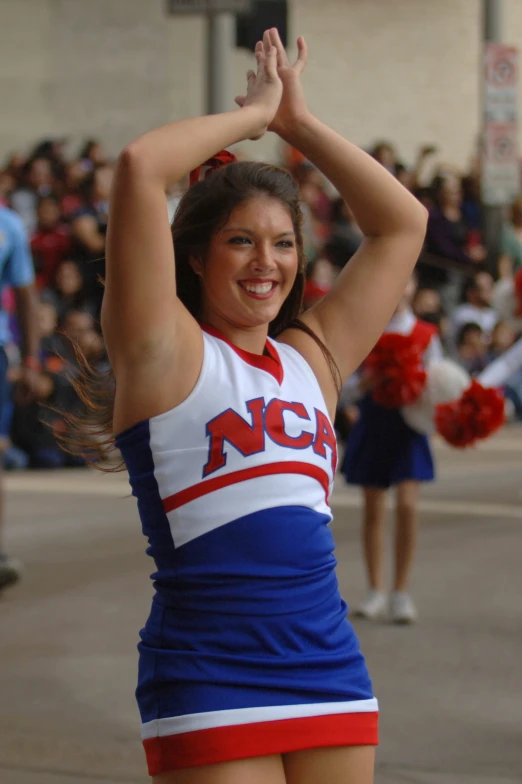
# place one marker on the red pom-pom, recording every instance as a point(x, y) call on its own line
point(478, 413)
point(396, 371)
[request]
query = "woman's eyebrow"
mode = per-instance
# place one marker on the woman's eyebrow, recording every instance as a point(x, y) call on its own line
point(249, 231)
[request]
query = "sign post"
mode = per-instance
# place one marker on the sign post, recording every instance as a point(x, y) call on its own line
point(498, 129)
point(500, 170)
point(220, 43)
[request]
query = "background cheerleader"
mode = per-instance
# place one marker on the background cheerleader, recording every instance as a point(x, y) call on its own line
point(383, 451)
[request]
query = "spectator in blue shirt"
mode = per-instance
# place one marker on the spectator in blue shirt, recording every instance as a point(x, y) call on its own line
point(16, 271)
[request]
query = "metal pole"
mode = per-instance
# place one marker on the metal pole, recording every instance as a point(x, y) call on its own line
point(493, 15)
point(493, 216)
point(220, 45)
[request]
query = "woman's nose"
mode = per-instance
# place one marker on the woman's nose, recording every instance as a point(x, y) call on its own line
point(264, 257)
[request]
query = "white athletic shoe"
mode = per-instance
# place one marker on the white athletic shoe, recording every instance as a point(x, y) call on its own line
point(402, 609)
point(373, 605)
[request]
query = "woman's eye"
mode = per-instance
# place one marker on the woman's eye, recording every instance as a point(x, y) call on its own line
point(286, 244)
point(239, 240)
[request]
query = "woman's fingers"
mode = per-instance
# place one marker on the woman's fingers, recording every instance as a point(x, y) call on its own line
point(302, 55)
point(275, 39)
point(271, 63)
point(260, 53)
point(240, 100)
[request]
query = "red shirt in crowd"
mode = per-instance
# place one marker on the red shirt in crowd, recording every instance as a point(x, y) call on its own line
point(49, 248)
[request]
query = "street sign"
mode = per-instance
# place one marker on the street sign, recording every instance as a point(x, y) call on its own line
point(208, 6)
point(500, 164)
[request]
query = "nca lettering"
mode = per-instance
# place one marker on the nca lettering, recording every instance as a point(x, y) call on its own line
point(266, 420)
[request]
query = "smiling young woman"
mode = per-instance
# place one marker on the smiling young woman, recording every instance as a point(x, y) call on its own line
point(249, 671)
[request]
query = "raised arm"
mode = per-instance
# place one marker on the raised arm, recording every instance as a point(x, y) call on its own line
point(148, 331)
point(354, 313)
point(352, 316)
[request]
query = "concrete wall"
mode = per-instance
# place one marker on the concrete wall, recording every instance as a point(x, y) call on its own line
point(404, 70)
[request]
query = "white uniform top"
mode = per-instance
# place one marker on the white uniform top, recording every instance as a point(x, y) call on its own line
point(253, 434)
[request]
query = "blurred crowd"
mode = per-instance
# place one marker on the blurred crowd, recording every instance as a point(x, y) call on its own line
point(63, 203)
point(475, 301)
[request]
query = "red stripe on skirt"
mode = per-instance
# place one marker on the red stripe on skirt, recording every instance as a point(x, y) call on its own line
point(242, 741)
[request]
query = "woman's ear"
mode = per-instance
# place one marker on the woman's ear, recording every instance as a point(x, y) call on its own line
point(197, 265)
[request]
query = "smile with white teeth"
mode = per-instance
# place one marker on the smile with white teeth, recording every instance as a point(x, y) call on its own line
point(257, 288)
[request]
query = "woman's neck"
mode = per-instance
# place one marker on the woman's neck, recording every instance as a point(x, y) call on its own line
point(252, 339)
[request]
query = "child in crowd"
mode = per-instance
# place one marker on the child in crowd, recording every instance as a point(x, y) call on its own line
point(471, 348)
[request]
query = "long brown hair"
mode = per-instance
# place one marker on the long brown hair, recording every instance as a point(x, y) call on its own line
point(202, 211)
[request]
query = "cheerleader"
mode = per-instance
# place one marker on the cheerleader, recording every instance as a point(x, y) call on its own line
point(249, 670)
point(383, 451)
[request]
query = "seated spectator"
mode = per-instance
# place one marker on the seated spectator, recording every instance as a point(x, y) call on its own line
point(471, 203)
point(38, 180)
point(50, 242)
point(35, 427)
point(471, 348)
point(476, 308)
point(7, 186)
point(316, 204)
point(49, 338)
point(518, 293)
point(16, 166)
point(92, 155)
point(345, 236)
point(426, 305)
point(385, 154)
point(88, 229)
point(321, 273)
point(53, 151)
point(502, 338)
point(71, 196)
point(69, 290)
point(449, 233)
point(511, 237)
point(504, 300)
point(76, 327)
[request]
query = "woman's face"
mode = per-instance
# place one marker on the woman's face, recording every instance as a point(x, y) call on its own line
point(251, 265)
point(97, 154)
point(40, 173)
point(103, 183)
point(49, 214)
point(47, 319)
point(75, 174)
point(451, 192)
point(68, 278)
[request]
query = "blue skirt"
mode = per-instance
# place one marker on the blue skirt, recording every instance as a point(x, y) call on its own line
point(382, 450)
point(243, 656)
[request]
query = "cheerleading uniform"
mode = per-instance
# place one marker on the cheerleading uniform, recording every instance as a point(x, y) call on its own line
point(382, 450)
point(247, 650)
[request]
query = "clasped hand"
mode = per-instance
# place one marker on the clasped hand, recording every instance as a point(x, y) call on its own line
point(276, 89)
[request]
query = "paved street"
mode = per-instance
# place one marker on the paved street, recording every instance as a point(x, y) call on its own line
point(449, 688)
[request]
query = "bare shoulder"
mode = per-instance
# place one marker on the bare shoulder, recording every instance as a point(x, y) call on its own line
point(311, 351)
point(162, 376)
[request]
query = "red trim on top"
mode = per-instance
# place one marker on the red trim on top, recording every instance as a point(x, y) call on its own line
point(269, 469)
point(243, 741)
point(271, 364)
point(422, 333)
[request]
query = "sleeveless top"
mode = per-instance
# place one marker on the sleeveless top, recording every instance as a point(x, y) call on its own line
point(233, 485)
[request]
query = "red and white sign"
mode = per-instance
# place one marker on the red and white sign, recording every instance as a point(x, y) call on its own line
point(501, 169)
